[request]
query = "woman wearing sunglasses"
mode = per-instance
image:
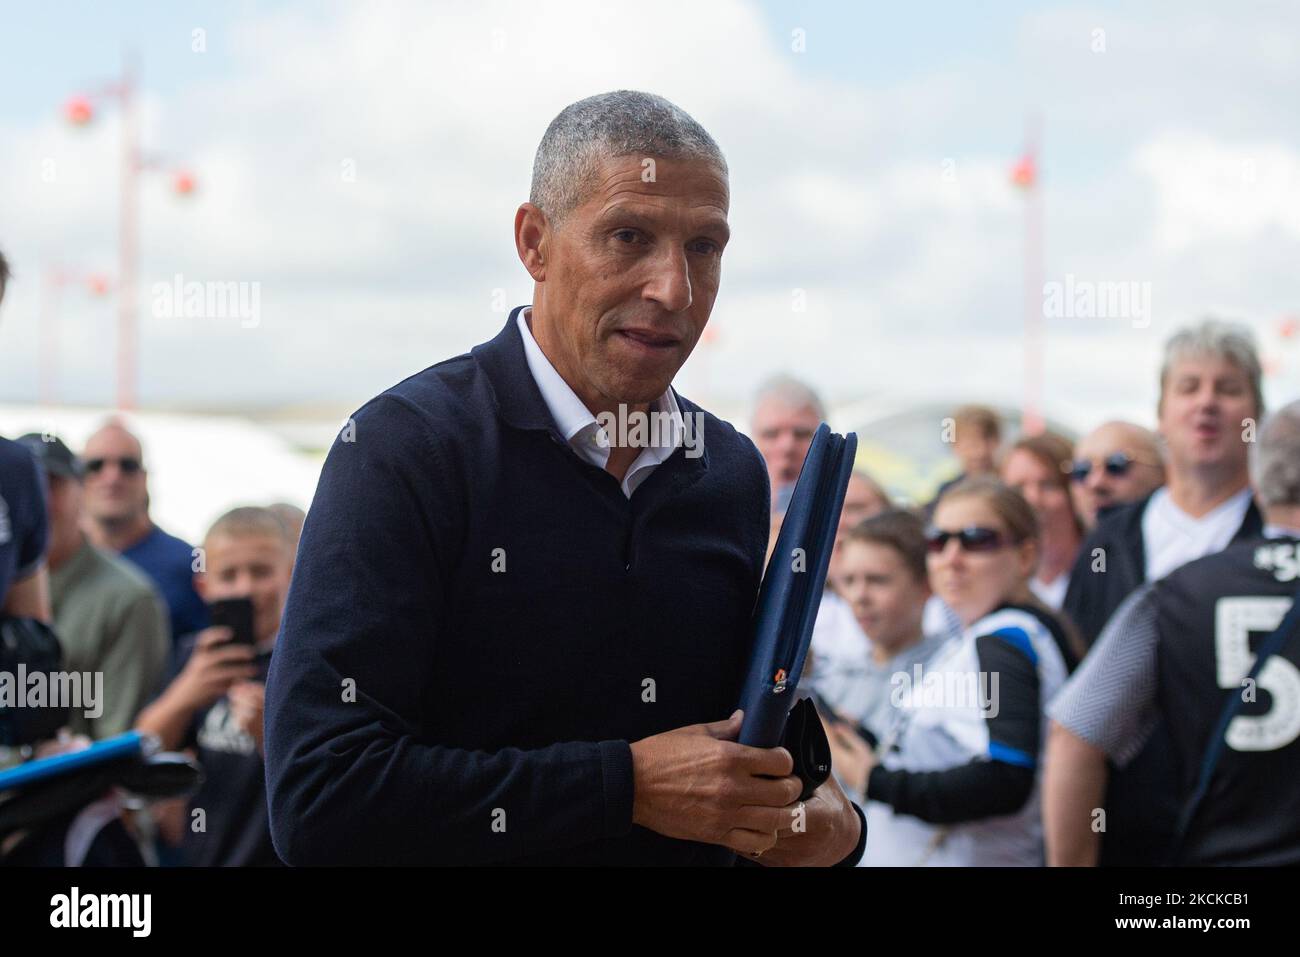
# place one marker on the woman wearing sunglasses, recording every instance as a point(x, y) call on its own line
point(955, 780)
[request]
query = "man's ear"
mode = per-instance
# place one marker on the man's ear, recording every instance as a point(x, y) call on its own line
point(201, 585)
point(532, 235)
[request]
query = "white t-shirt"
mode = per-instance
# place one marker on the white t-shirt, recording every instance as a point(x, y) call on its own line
point(1173, 538)
point(1051, 594)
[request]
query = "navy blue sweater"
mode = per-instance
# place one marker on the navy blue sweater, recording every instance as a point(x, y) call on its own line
point(425, 708)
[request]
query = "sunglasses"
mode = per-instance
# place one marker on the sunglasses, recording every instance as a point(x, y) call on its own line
point(1116, 464)
point(972, 539)
point(126, 465)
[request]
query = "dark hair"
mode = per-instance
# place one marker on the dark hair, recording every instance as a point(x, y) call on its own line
point(897, 529)
point(4, 275)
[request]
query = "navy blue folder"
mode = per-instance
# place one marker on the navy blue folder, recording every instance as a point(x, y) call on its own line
point(792, 588)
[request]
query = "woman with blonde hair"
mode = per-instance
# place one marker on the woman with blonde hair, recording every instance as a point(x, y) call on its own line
point(955, 780)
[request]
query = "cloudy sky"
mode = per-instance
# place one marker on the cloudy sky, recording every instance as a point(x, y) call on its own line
point(361, 163)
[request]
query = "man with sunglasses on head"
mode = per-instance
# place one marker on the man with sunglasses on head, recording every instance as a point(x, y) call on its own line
point(1114, 464)
point(1210, 401)
point(117, 519)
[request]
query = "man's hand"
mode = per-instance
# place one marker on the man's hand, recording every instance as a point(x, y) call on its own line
point(819, 832)
point(213, 667)
point(64, 743)
point(697, 784)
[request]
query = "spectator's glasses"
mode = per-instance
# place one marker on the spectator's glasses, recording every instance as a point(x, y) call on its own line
point(128, 466)
point(1116, 464)
point(972, 539)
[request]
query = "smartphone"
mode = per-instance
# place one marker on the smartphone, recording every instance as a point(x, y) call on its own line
point(828, 713)
point(237, 615)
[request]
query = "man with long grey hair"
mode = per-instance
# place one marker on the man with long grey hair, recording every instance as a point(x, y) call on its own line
point(520, 610)
point(1171, 656)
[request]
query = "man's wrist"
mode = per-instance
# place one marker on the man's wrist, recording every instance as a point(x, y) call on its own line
point(618, 781)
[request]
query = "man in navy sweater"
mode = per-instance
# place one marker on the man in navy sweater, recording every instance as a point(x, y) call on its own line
point(520, 611)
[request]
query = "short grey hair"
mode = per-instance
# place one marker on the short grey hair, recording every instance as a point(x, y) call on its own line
point(1225, 340)
point(1275, 458)
point(791, 393)
point(621, 123)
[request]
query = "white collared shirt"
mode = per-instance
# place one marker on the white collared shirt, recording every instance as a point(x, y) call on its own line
point(580, 428)
point(1173, 538)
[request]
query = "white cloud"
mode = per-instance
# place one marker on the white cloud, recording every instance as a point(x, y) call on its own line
point(839, 188)
point(1209, 190)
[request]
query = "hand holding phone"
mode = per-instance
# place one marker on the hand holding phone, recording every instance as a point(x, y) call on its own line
point(237, 615)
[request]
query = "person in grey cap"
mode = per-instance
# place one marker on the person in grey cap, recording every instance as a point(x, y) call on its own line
point(109, 617)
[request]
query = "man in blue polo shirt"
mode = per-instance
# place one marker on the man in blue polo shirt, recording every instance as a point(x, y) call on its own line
point(117, 509)
point(521, 606)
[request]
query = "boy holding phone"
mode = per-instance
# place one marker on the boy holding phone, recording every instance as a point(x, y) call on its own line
point(214, 700)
